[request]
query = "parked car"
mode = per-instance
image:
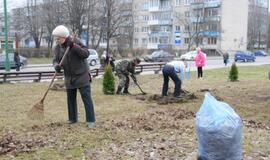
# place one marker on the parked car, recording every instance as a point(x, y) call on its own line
point(189, 56)
point(244, 56)
point(23, 61)
point(93, 57)
point(260, 53)
point(159, 56)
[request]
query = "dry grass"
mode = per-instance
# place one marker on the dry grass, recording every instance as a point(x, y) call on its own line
point(128, 128)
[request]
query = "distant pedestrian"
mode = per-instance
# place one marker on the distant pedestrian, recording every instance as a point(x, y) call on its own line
point(17, 61)
point(225, 58)
point(176, 71)
point(200, 59)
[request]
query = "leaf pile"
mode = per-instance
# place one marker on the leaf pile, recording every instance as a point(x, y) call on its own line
point(10, 144)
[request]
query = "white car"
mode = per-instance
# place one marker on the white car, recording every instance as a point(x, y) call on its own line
point(93, 57)
point(189, 56)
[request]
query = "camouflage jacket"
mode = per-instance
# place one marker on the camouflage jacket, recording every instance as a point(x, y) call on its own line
point(125, 67)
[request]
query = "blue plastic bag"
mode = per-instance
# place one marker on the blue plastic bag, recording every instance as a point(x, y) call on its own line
point(219, 131)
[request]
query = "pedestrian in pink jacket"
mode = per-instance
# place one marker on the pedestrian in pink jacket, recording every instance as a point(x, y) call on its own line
point(200, 61)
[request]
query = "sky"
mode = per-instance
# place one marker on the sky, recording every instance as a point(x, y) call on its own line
point(12, 4)
point(20, 3)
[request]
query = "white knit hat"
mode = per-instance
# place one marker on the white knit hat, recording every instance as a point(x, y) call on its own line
point(61, 31)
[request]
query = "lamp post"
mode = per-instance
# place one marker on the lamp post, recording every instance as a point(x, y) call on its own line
point(7, 63)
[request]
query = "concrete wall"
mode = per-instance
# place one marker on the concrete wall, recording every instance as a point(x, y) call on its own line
point(234, 21)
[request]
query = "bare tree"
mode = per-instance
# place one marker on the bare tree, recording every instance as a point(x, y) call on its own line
point(257, 27)
point(76, 13)
point(115, 19)
point(52, 16)
point(34, 24)
point(18, 20)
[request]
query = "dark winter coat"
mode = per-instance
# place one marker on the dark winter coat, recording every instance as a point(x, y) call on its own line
point(76, 69)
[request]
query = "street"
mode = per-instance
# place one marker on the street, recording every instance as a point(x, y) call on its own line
point(211, 63)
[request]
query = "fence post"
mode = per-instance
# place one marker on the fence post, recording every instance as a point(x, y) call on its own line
point(5, 77)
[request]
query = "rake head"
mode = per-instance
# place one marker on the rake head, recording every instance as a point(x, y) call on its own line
point(37, 111)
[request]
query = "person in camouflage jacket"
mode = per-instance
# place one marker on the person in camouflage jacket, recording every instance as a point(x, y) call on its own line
point(123, 69)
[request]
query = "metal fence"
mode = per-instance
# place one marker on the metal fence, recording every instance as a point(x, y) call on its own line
point(37, 76)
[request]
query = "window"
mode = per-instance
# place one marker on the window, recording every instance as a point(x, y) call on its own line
point(136, 41)
point(212, 40)
point(177, 2)
point(145, 18)
point(145, 29)
point(187, 14)
point(136, 29)
point(145, 6)
point(186, 27)
point(144, 41)
point(186, 2)
point(177, 28)
point(186, 40)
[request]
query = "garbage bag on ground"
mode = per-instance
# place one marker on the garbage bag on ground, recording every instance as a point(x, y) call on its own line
point(219, 131)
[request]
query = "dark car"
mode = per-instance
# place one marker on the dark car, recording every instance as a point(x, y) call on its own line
point(23, 61)
point(244, 56)
point(159, 56)
point(260, 53)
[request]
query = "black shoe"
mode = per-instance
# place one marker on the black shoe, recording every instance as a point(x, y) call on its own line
point(179, 96)
point(119, 89)
point(127, 93)
point(71, 122)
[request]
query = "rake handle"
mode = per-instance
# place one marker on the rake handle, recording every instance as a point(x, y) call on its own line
point(55, 73)
point(133, 78)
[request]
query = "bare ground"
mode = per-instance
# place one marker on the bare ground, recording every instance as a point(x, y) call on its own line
point(140, 127)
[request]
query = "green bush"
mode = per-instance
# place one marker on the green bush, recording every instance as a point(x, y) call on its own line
point(233, 76)
point(108, 81)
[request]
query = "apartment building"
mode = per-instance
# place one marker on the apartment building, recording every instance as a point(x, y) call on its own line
point(213, 25)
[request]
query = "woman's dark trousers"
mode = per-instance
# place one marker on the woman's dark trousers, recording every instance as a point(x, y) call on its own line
point(168, 71)
point(200, 72)
point(87, 100)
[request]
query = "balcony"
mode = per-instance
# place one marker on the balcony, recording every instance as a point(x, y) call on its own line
point(210, 33)
point(159, 22)
point(152, 46)
point(211, 4)
point(212, 18)
point(159, 9)
point(195, 19)
point(154, 9)
point(158, 46)
point(159, 34)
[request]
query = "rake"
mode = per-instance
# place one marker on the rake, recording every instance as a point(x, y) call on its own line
point(37, 111)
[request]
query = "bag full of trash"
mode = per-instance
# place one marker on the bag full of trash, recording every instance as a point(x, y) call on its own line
point(219, 131)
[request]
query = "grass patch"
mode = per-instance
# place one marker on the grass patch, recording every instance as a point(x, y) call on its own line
point(128, 128)
point(39, 60)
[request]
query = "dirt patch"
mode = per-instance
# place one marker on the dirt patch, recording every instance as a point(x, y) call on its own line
point(163, 100)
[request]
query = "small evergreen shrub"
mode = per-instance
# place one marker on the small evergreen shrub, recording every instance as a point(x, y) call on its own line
point(108, 81)
point(233, 76)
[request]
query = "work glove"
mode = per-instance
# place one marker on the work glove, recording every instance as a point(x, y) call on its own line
point(69, 43)
point(57, 68)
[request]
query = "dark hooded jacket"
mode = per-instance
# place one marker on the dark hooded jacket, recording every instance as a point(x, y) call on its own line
point(76, 69)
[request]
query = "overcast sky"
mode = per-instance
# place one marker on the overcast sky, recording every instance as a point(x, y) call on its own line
point(17, 3)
